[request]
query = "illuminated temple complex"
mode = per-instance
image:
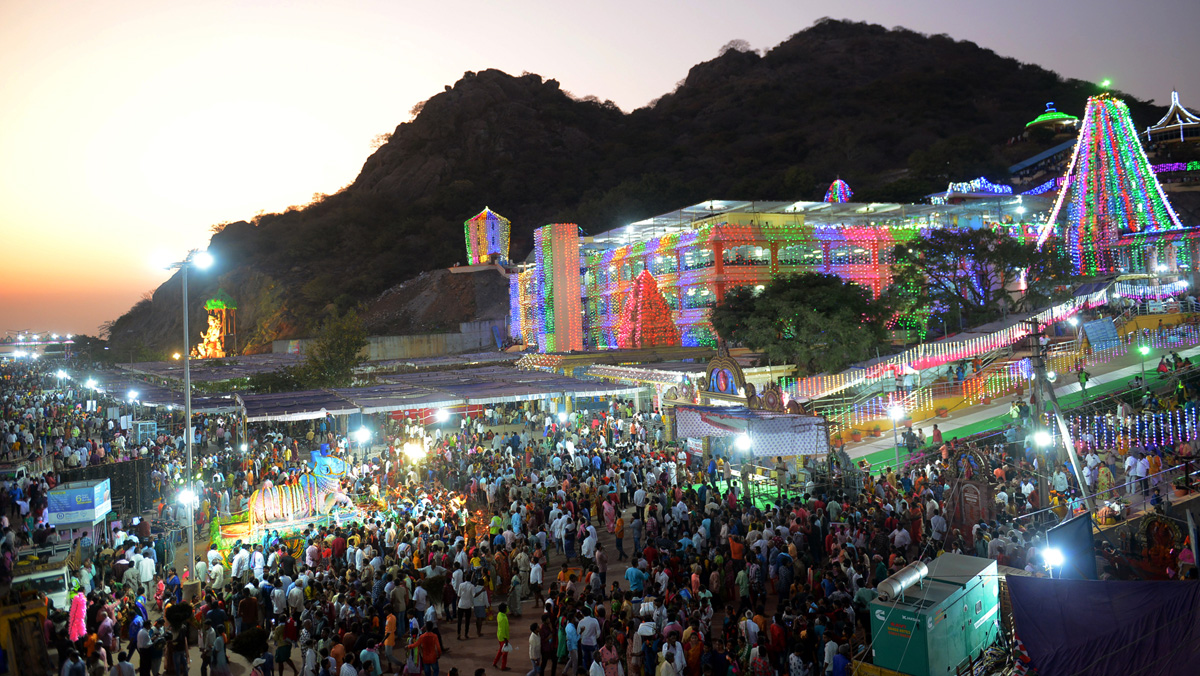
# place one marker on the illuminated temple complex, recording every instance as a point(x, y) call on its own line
point(1108, 211)
point(699, 253)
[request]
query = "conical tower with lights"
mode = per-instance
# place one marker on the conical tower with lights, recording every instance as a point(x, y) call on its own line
point(646, 320)
point(1110, 196)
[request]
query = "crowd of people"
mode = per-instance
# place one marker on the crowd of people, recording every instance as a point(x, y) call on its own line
point(585, 538)
point(620, 555)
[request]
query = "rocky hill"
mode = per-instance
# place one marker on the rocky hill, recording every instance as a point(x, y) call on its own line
point(894, 112)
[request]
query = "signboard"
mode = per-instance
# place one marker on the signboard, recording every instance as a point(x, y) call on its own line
point(771, 434)
point(84, 502)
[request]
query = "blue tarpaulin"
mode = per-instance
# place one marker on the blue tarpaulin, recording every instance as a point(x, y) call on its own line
point(1107, 628)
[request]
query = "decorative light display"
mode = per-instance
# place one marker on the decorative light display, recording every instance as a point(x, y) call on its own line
point(1177, 121)
point(1163, 429)
point(554, 288)
point(1110, 190)
point(1159, 292)
point(1052, 115)
point(930, 355)
point(980, 184)
point(1052, 184)
point(487, 236)
point(1056, 183)
point(646, 319)
point(696, 266)
point(839, 192)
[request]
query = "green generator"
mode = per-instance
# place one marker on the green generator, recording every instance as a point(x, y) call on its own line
point(930, 618)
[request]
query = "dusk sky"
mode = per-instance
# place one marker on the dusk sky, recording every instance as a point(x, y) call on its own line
point(127, 129)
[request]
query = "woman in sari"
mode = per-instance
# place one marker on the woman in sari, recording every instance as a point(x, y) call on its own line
point(610, 515)
point(692, 652)
point(1105, 483)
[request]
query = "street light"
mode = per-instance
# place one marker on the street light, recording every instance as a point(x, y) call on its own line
point(742, 442)
point(200, 260)
point(1042, 438)
point(896, 413)
point(91, 383)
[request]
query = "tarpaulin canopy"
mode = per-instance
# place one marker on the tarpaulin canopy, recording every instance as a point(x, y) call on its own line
point(291, 406)
point(148, 394)
point(771, 433)
point(1107, 628)
point(395, 397)
point(214, 370)
point(425, 390)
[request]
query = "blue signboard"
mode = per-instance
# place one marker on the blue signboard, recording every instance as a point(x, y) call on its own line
point(80, 503)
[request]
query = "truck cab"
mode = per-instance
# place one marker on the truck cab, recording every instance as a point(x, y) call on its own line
point(47, 571)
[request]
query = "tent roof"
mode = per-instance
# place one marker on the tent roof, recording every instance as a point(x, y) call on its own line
point(290, 406)
point(425, 389)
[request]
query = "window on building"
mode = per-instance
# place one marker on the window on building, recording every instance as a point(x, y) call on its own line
point(802, 254)
point(697, 258)
point(747, 254)
point(671, 296)
point(698, 297)
point(663, 264)
point(850, 255)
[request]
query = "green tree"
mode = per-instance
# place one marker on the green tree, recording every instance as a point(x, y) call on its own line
point(816, 321)
point(333, 354)
point(975, 276)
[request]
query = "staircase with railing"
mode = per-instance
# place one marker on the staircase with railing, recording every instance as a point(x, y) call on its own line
point(874, 401)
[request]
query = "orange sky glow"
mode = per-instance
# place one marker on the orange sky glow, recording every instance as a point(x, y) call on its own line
point(129, 128)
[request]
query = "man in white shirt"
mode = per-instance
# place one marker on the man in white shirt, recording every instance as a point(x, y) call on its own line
point(241, 565)
point(466, 604)
point(535, 580)
point(295, 597)
point(145, 570)
point(258, 562)
point(937, 526)
point(1143, 473)
point(589, 632)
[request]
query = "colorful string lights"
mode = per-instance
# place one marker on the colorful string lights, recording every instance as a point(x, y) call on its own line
point(1158, 292)
point(1109, 191)
point(487, 236)
point(839, 192)
point(646, 319)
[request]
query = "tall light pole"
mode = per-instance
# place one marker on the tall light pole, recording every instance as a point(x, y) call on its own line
point(201, 260)
point(1143, 351)
point(189, 499)
point(896, 412)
